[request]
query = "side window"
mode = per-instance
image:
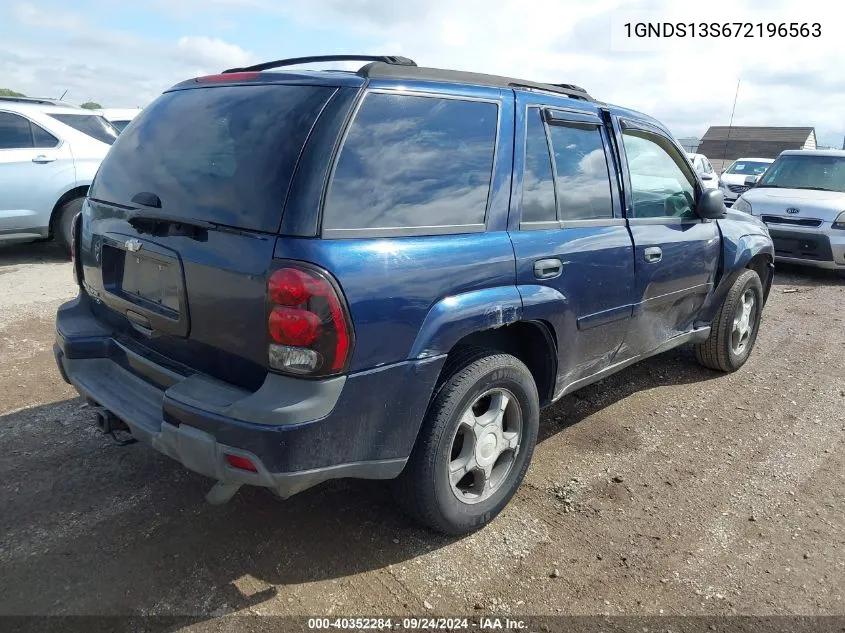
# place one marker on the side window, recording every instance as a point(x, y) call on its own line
point(413, 161)
point(581, 175)
point(661, 185)
point(708, 168)
point(42, 138)
point(538, 189)
point(14, 132)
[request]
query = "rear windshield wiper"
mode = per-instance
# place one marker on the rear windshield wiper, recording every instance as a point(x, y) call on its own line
point(163, 224)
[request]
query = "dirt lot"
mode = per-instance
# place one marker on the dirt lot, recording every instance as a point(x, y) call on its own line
point(667, 489)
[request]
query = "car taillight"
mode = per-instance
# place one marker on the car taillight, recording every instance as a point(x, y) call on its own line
point(307, 323)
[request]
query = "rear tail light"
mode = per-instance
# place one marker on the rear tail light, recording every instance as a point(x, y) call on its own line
point(307, 323)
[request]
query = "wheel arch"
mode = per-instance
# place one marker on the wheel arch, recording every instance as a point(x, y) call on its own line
point(532, 342)
point(78, 191)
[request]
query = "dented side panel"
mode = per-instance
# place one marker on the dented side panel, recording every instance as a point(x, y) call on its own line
point(452, 318)
point(737, 251)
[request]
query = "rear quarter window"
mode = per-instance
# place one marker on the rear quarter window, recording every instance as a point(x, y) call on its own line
point(410, 163)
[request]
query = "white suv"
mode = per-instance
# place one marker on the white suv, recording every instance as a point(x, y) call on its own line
point(49, 153)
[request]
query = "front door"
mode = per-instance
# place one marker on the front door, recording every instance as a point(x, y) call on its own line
point(574, 255)
point(676, 252)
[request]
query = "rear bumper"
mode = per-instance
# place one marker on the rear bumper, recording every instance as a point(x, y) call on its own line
point(296, 432)
point(819, 248)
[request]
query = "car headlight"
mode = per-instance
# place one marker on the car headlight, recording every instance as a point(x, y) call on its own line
point(839, 222)
point(742, 205)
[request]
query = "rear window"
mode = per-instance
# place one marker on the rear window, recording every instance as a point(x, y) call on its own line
point(93, 125)
point(223, 154)
point(414, 162)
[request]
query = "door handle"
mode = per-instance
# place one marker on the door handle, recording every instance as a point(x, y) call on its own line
point(41, 159)
point(653, 254)
point(548, 268)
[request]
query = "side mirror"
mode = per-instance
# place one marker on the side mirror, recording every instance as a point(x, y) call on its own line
point(711, 205)
point(750, 181)
point(706, 176)
point(721, 173)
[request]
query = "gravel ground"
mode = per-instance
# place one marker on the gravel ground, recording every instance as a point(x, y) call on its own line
point(666, 489)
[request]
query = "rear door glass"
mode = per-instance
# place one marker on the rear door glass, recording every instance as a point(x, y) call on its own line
point(538, 189)
point(93, 125)
point(222, 154)
point(582, 177)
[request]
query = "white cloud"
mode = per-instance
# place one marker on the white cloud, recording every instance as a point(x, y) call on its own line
point(783, 82)
point(30, 15)
point(212, 52)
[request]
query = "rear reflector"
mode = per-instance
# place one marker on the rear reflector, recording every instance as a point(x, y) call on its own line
point(241, 463)
point(245, 76)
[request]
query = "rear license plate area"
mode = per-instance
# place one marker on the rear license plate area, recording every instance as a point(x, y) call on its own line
point(148, 280)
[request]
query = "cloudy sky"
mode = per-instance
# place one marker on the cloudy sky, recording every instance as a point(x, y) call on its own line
point(125, 53)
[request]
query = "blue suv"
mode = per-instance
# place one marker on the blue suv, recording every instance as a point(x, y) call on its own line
point(287, 277)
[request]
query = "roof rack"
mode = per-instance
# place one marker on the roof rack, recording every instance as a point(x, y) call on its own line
point(395, 71)
point(37, 100)
point(569, 90)
point(394, 60)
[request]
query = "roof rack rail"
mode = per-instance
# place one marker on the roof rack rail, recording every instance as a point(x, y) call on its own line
point(569, 90)
point(38, 100)
point(294, 61)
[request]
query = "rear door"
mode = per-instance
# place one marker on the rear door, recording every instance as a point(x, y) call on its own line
point(180, 225)
point(574, 254)
point(35, 169)
point(677, 253)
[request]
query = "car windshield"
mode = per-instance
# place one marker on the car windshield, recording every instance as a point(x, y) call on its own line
point(806, 171)
point(748, 168)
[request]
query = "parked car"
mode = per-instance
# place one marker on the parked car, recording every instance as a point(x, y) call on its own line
point(49, 153)
point(119, 117)
point(386, 273)
point(801, 197)
point(704, 170)
point(732, 180)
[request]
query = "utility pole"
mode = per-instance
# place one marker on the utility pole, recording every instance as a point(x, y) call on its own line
point(730, 125)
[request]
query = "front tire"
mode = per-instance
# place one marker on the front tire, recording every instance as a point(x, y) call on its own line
point(734, 329)
point(475, 444)
point(63, 222)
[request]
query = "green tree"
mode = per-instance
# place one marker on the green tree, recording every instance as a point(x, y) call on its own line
point(91, 105)
point(6, 92)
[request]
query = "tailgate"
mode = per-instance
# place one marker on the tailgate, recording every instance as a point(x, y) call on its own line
point(180, 223)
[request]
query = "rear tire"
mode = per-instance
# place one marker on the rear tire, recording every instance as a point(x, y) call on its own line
point(63, 222)
point(475, 444)
point(734, 328)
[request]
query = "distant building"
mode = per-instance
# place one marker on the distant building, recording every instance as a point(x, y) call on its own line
point(726, 144)
point(690, 143)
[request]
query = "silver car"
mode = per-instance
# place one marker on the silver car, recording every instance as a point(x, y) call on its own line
point(801, 198)
point(732, 180)
point(49, 153)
